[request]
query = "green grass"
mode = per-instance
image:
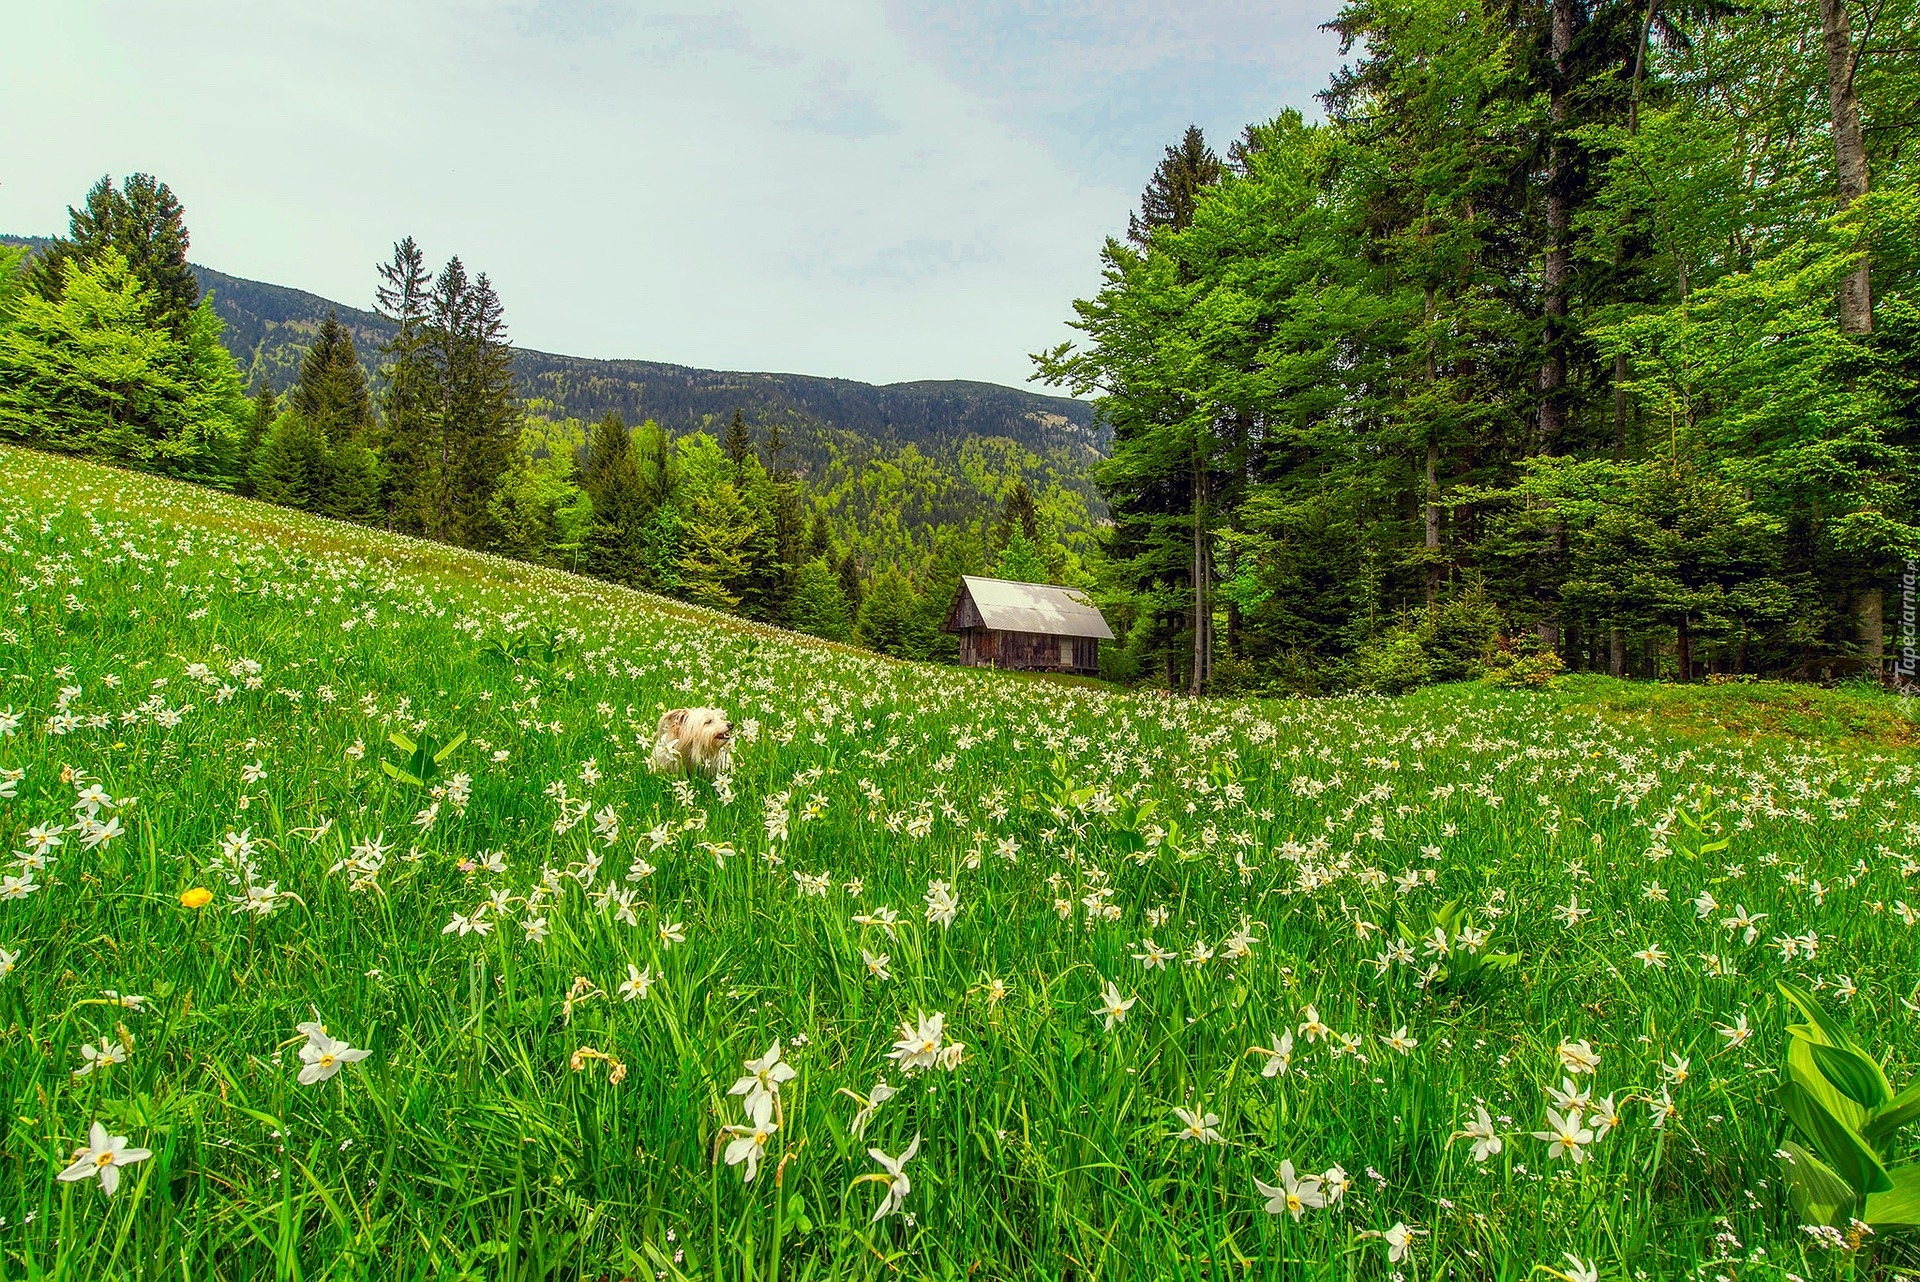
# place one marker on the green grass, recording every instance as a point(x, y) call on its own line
point(467, 1144)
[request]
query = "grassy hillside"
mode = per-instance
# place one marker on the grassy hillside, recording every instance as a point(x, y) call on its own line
point(558, 963)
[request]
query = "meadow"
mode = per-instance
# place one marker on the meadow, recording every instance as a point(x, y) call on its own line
point(338, 887)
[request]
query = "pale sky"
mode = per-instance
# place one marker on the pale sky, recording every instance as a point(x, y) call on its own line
point(872, 189)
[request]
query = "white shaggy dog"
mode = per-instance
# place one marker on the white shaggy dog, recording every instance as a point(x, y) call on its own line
point(692, 739)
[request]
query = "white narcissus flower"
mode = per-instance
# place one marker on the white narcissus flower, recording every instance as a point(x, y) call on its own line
point(1295, 1194)
point(323, 1056)
point(750, 1141)
point(103, 1156)
point(638, 982)
point(895, 1178)
point(1195, 1125)
point(1399, 1240)
point(1486, 1141)
point(1113, 1006)
point(1279, 1057)
point(8, 960)
point(763, 1079)
point(1565, 1134)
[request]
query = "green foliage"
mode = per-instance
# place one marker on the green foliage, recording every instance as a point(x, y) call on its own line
point(424, 757)
point(95, 371)
point(818, 607)
point(1839, 1100)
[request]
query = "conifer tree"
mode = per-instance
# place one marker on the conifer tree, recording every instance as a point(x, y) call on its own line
point(713, 562)
point(332, 391)
point(738, 442)
point(621, 511)
point(818, 607)
point(292, 468)
point(1187, 169)
point(266, 408)
point(409, 459)
point(146, 225)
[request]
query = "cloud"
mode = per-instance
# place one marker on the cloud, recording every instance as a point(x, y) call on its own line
point(862, 188)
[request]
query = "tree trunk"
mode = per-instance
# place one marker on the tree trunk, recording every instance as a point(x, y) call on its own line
point(1553, 367)
point(1683, 649)
point(1872, 605)
point(1616, 653)
point(1849, 154)
point(1202, 572)
point(1433, 472)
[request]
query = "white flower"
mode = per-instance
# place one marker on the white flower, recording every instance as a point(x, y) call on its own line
point(1295, 1195)
point(1578, 1056)
point(1736, 1033)
point(1565, 1135)
point(1279, 1058)
point(17, 887)
point(323, 1056)
point(8, 960)
point(1401, 1042)
point(638, 982)
point(751, 1140)
point(763, 1079)
point(103, 1156)
point(105, 1055)
point(1399, 1240)
point(922, 1047)
point(942, 906)
point(1486, 1141)
point(1112, 1006)
point(898, 1185)
point(1310, 1026)
point(1195, 1125)
point(1577, 1271)
point(869, 1105)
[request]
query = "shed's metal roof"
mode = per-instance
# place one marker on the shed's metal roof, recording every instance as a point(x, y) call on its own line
point(1035, 607)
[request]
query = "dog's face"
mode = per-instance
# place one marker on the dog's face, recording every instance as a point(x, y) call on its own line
point(700, 735)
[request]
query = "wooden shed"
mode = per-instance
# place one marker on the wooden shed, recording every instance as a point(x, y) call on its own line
point(1030, 626)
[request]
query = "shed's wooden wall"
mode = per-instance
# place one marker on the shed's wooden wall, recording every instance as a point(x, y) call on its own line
point(1028, 651)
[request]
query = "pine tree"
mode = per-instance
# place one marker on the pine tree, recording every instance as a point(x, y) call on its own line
point(738, 442)
point(818, 606)
point(266, 408)
point(353, 483)
point(1182, 174)
point(889, 619)
point(146, 225)
point(409, 459)
point(332, 391)
point(851, 586)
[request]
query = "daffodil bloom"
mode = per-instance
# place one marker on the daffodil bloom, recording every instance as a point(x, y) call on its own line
point(1486, 1141)
point(1295, 1195)
point(750, 1141)
point(1279, 1057)
point(1195, 1125)
point(8, 960)
point(638, 982)
point(103, 1156)
point(1401, 1042)
point(921, 1047)
point(323, 1056)
point(1113, 1006)
point(1565, 1134)
point(1310, 1026)
point(869, 1105)
point(1578, 1056)
point(1736, 1033)
point(763, 1078)
point(895, 1178)
point(1399, 1240)
point(104, 1055)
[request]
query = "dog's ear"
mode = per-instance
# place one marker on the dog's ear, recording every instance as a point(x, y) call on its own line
point(675, 719)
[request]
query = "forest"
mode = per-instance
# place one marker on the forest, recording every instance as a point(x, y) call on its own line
point(1575, 335)
point(110, 348)
point(1578, 334)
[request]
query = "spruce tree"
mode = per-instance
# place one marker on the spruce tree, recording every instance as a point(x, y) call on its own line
point(266, 407)
point(1187, 168)
point(409, 473)
point(738, 442)
point(613, 483)
point(146, 225)
point(332, 391)
point(292, 468)
point(817, 606)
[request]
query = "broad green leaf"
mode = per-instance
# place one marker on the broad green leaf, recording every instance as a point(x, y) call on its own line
point(1854, 1074)
point(1819, 1195)
point(1819, 1018)
point(1803, 1069)
point(1899, 1206)
point(440, 757)
point(1901, 1109)
point(1839, 1144)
